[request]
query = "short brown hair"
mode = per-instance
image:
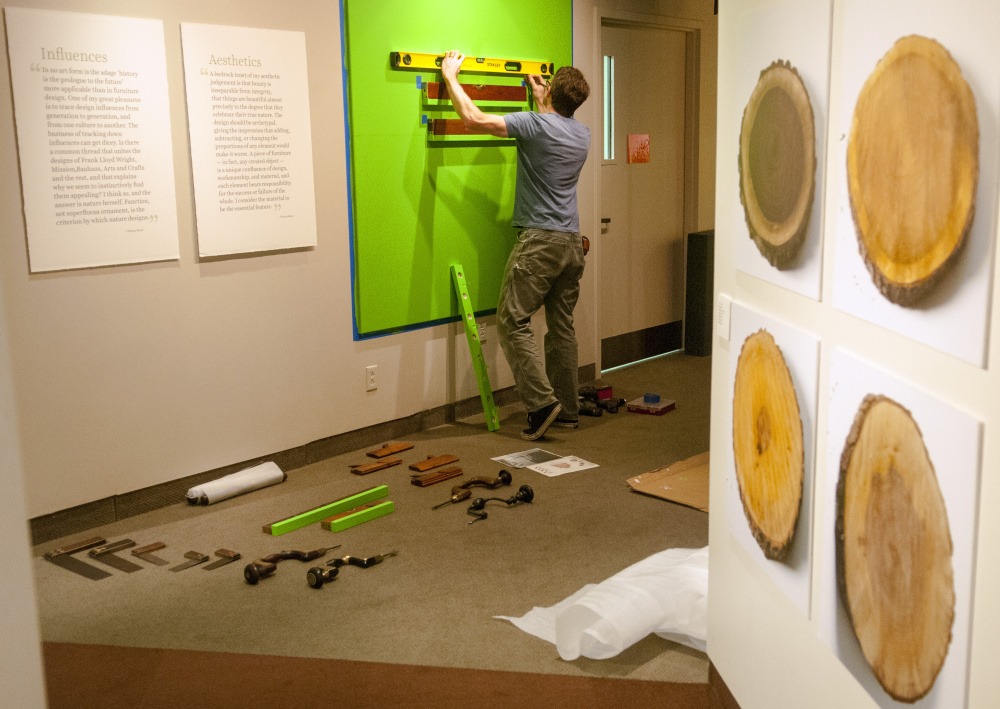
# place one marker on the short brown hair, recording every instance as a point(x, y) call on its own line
point(568, 90)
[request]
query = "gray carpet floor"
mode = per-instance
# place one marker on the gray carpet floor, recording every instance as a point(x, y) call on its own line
point(433, 603)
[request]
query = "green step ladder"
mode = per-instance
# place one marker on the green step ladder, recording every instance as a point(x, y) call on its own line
point(475, 348)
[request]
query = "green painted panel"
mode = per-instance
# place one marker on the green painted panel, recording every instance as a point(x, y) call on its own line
point(419, 207)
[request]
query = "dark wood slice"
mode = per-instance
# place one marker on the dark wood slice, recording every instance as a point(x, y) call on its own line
point(913, 167)
point(777, 163)
point(894, 571)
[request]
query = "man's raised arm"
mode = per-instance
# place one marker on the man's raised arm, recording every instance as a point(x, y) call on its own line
point(472, 118)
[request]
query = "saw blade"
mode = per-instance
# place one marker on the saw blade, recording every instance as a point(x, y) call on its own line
point(73, 564)
point(116, 562)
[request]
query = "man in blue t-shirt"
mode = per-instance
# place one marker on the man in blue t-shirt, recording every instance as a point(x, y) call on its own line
point(547, 262)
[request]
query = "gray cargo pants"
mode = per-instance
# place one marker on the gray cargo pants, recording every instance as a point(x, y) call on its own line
point(544, 268)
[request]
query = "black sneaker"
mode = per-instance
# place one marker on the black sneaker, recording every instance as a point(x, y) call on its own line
point(562, 422)
point(539, 421)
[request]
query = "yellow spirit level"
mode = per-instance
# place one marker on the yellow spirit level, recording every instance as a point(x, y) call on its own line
point(479, 65)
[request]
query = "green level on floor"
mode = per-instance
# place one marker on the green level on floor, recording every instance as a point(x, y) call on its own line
point(354, 517)
point(475, 347)
point(331, 508)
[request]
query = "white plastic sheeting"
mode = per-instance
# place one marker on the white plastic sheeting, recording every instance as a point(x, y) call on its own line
point(665, 594)
point(236, 484)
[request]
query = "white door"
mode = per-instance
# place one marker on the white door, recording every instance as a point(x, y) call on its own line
point(642, 247)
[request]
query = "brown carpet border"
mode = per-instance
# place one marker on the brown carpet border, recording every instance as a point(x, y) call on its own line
point(724, 698)
point(104, 677)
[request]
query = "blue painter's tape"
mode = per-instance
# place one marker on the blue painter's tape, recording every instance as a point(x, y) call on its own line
point(419, 81)
point(423, 120)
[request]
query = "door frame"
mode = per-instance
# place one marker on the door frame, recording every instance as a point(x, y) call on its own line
point(692, 116)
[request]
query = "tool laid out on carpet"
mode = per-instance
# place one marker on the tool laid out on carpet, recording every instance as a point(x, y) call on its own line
point(434, 461)
point(63, 557)
point(317, 575)
point(602, 398)
point(651, 404)
point(193, 559)
point(354, 517)
point(365, 468)
point(435, 476)
point(106, 555)
point(478, 506)
point(237, 483)
point(463, 491)
point(226, 556)
point(389, 449)
point(145, 553)
point(324, 511)
point(267, 565)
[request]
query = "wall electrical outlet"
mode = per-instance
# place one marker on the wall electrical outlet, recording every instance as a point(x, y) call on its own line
point(371, 381)
point(482, 332)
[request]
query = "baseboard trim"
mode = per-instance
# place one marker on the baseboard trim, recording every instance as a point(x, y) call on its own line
point(724, 699)
point(89, 515)
point(641, 344)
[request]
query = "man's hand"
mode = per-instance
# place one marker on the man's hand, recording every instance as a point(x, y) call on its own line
point(451, 65)
point(540, 90)
point(472, 118)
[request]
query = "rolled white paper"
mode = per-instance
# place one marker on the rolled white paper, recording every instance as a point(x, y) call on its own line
point(666, 594)
point(236, 484)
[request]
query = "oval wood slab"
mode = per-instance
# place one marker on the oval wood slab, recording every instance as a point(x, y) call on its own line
point(913, 167)
point(767, 444)
point(894, 547)
point(777, 163)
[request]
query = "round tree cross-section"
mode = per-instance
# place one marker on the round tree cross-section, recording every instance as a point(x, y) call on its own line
point(767, 444)
point(777, 164)
point(894, 570)
point(913, 167)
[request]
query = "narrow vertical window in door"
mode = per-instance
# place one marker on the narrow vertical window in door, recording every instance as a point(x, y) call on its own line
point(609, 108)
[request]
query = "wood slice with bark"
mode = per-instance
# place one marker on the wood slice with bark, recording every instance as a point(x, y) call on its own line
point(894, 571)
point(913, 167)
point(777, 163)
point(767, 444)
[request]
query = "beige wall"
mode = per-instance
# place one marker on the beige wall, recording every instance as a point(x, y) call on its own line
point(769, 653)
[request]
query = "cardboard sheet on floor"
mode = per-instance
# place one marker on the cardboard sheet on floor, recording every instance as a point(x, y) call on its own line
point(684, 482)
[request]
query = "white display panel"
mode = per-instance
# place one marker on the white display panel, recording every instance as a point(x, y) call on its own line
point(800, 350)
point(954, 316)
point(798, 32)
point(953, 442)
point(251, 144)
point(93, 137)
